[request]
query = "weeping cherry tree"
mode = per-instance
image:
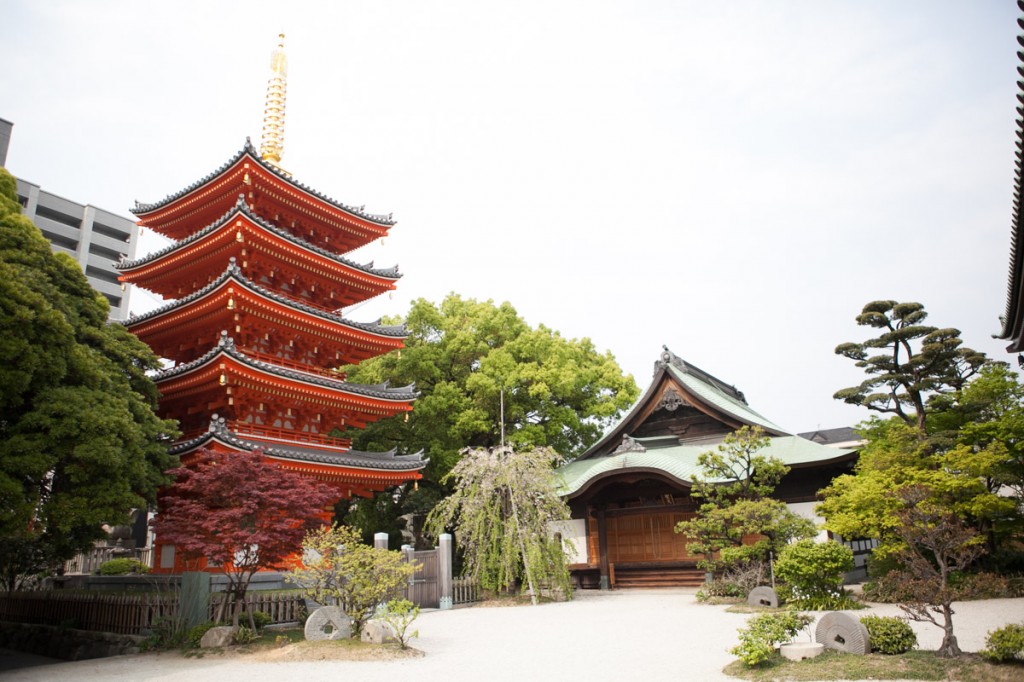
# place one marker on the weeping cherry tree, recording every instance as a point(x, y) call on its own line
point(502, 511)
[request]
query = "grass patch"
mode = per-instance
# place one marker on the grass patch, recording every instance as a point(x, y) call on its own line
point(278, 644)
point(743, 607)
point(913, 665)
point(717, 601)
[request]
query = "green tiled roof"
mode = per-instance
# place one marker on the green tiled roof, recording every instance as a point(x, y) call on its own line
point(722, 400)
point(680, 461)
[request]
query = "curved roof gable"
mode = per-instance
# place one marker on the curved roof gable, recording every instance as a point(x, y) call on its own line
point(707, 393)
point(717, 394)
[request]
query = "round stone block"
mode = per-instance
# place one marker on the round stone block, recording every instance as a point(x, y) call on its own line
point(842, 632)
point(763, 596)
point(798, 651)
point(328, 622)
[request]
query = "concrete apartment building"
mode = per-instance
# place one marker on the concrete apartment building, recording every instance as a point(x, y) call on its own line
point(92, 236)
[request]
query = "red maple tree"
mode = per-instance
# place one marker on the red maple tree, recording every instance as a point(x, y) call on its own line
point(239, 511)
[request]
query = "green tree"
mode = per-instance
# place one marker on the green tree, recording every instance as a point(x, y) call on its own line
point(469, 359)
point(901, 378)
point(959, 437)
point(735, 485)
point(934, 544)
point(80, 444)
point(502, 511)
point(338, 569)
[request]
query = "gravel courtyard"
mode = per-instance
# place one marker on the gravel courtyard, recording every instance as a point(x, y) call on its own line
point(626, 634)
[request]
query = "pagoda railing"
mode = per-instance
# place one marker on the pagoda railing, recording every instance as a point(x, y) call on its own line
point(287, 436)
point(295, 366)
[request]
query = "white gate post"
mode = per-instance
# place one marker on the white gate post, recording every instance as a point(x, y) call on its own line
point(444, 571)
point(380, 540)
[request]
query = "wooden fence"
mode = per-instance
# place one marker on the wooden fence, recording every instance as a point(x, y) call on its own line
point(125, 614)
point(282, 608)
point(465, 591)
point(86, 563)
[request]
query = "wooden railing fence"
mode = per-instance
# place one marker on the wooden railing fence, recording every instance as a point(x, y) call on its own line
point(125, 614)
point(465, 591)
point(86, 563)
point(282, 608)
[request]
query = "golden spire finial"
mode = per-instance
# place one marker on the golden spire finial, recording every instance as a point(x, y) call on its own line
point(272, 144)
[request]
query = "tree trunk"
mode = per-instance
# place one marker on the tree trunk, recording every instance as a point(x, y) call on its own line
point(522, 549)
point(949, 647)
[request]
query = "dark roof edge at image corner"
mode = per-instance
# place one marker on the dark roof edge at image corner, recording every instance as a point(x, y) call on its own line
point(250, 150)
point(1013, 318)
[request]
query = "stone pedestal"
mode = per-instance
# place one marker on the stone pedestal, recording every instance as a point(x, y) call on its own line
point(798, 651)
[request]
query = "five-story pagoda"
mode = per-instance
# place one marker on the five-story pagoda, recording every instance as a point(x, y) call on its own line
point(255, 332)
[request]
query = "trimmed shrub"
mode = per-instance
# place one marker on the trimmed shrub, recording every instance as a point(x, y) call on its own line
point(720, 589)
point(1005, 644)
point(195, 634)
point(982, 585)
point(765, 632)
point(122, 567)
point(889, 634)
point(814, 573)
point(261, 619)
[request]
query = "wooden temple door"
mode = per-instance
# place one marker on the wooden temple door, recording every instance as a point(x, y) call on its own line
point(646, 537)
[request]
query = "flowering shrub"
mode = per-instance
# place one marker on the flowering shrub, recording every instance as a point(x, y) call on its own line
point(765, 632)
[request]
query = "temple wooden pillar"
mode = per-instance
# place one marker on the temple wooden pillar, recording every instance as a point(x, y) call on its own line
point(602, 548)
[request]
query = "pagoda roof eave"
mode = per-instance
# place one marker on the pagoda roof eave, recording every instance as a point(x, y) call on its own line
point(376, 462)
point(234, 274)
point(249, 151)
point(241, 208)
point(226, 347)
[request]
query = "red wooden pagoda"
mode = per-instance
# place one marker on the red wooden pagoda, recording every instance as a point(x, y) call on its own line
point(256, 332)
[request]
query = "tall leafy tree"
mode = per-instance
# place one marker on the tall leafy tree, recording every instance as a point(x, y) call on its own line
point(241, 512)
point(80, 444)
point(484, 372)
point(975, 469)
point(502, 511)
point(956, 432)
point(908, 363)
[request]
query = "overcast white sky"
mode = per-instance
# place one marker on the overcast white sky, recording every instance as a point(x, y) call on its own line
point(732, 179)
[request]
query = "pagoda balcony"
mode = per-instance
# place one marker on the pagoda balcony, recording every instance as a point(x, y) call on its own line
point(276, 436)
point(294, 365)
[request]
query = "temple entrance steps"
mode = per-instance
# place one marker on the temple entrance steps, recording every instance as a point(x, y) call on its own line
point(658, 577)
